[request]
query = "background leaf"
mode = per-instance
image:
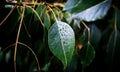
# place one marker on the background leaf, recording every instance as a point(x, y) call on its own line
point(93, 13)
point(118, 17)
point(113, 46)
point(87, 54)
point(72, 67)
point(76, 6)
point(47, 21)
point(61, 41)
point(41, 11)
point(71, 4)
point(95, 35)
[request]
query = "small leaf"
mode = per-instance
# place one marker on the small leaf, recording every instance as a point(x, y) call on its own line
point(87, 54)
point(46, 67)
point(7, 56)
point(41, 11)
point(76, 6)
point(47, 21)
point(61, 41)
point(28, 11)
point(93, 13)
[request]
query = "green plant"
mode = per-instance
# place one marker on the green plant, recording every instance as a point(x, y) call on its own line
point(62, 36)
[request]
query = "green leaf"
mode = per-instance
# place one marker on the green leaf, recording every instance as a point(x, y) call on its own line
point(28, 11)
point(41, 11)
point(47, 21)
point(117, 11)
point(46, 67)
point(113, 48)
point(76, 6)
point(95, 35)
point(87, 54)
point(8, 56)
point(93, 13)
point(72, 67)
point(71, 4)
point(61, 41)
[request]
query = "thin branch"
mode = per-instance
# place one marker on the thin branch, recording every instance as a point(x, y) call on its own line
point(115, 23)
point(33, 3)
point(53, 13)
point(7, 15)
point(56, 4)
point(18, 34)
point(88, 31)
point(36, 15)
point(26, 29)
point(21, 3)
point(32, 53)
point(29, 49)
point(8, 47)
point(82, 69)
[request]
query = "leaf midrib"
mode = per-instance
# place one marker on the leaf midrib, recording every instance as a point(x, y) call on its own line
point(62, 43)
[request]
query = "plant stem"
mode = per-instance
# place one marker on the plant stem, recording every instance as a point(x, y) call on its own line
point(18, 34)
point(88, 31)
point(82, 69)
point(53, 14)
point(36, 15)
point(7, 15)
point(32, 53)
point(30, 50)
point(115, 24)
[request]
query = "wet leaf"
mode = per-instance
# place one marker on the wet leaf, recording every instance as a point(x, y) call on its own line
point(61, 41)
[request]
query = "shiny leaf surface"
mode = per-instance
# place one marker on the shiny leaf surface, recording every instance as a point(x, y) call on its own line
point(61, 41)
point(93, 13)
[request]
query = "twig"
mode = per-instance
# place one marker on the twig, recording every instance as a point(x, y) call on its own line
point(33, 3)
point(87, 43)
point(53, 14)
point(88, 31)
point(7, 15)
point(29, 49)
point(36, 15)
point(32, 53)
point(18, 34)
point(26, 30)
